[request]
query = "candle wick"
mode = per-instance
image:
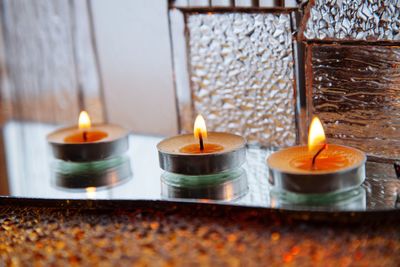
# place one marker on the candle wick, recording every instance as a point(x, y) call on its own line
point(201, 142)
point(84, 135)
point(316, 155)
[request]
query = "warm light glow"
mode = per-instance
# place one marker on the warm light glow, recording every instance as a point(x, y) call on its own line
point(316, 135)
point(200, 127)
point(91, 192)
point(84, 120)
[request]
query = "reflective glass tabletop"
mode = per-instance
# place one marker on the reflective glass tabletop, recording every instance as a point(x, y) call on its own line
point(29, 170)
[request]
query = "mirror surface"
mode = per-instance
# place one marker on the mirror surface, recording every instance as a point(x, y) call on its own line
point(31, 171)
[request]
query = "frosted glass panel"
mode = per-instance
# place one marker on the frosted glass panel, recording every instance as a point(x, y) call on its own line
point(240, 75)
point(355, 90)
point(354, 19)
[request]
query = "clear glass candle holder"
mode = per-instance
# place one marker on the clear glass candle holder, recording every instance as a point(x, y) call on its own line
point(224, 186)
point(353, 199)
point(103, 173)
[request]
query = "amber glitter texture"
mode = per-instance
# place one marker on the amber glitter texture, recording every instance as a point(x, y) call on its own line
point(189, 235)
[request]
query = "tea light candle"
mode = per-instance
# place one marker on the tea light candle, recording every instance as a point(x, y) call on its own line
point(87, 142)
point(317, 168)
point(201, 153)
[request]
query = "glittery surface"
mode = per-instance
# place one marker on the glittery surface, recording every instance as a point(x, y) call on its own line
point(194, 235)
point(241, 73)
point(355, 92)
point(354, 20)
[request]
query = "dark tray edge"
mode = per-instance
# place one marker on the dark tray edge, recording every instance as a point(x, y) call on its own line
point(384, 216)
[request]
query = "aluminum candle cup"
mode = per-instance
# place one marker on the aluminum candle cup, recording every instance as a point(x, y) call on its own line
point(337, 169)
point(214, 173)
point(102, 141)
point(173, 159)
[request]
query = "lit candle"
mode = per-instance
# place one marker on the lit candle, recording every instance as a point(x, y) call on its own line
point(88, 142)
point(85, 133)
point(318, 167)
point(203, 165)
point(91, 192)
point(200, 134)
point(202, 152)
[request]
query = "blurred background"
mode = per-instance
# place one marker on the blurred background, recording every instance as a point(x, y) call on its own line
point(112, 58)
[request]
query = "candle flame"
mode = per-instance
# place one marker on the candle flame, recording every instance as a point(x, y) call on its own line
point(200, 127)
point(91, 192)
point(316, 135)
point(84, 120)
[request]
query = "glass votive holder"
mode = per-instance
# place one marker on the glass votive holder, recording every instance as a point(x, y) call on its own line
point(102, 173)
point(223, 186)
point(354, 199)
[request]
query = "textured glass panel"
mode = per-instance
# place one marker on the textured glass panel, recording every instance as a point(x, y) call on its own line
point(241, 75)
point(354, 19)
point(356, 92)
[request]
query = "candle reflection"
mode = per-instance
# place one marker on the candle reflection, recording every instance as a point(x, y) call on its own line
point(91, 192)
point(91, 175)
point(355, 199)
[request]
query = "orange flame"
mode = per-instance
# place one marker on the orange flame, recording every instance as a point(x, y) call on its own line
point(316, 135)
point(200, 127)
point(84, 120)
point(91, 192)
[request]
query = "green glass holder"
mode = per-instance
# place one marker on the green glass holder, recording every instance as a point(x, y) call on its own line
point(351, 199)
point(102, 173)
point(224, 186)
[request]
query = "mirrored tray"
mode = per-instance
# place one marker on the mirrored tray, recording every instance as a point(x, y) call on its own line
point(30, 171)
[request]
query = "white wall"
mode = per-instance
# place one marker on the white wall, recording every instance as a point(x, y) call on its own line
point(135, 57)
